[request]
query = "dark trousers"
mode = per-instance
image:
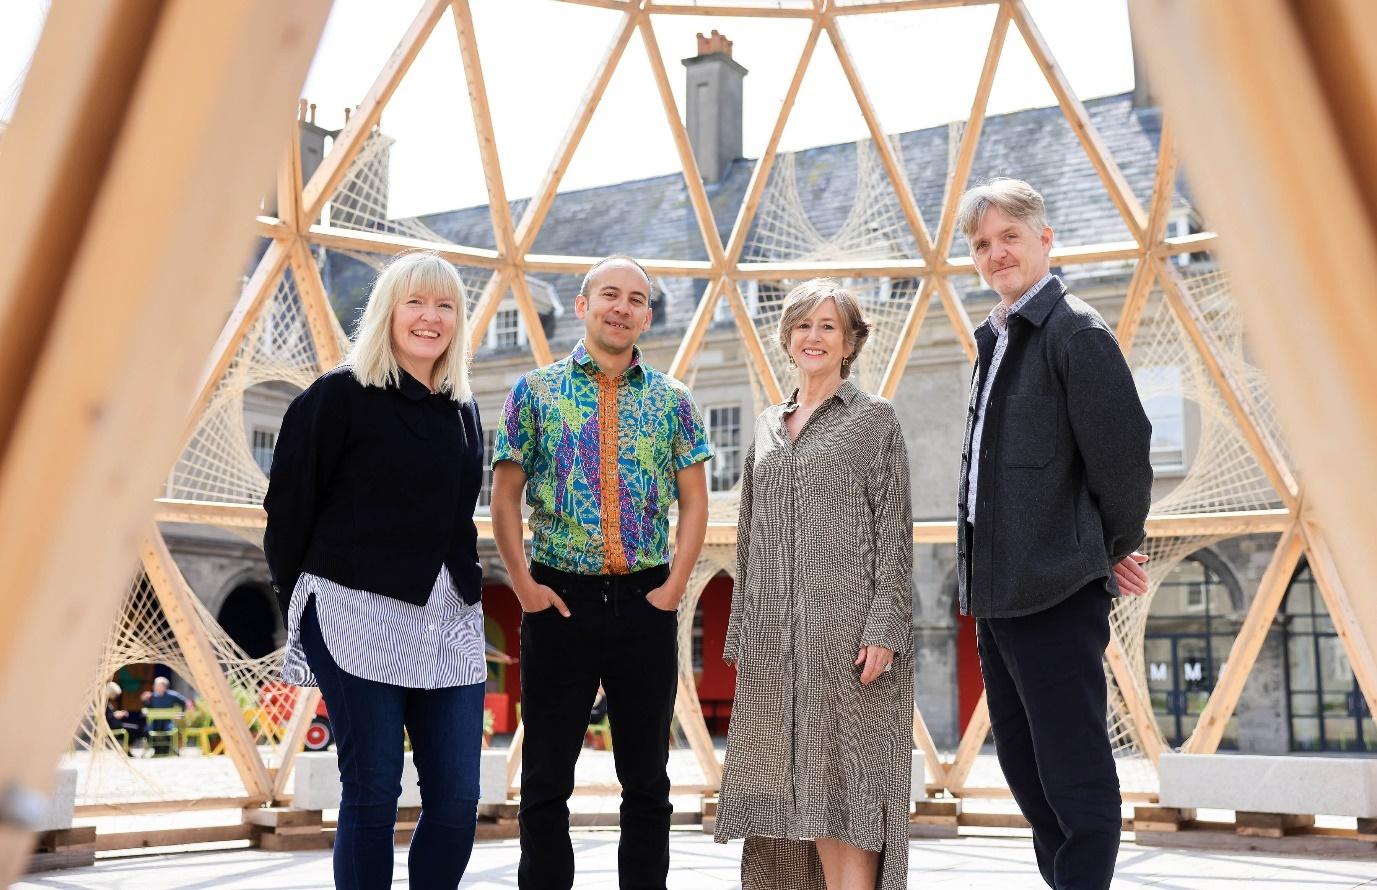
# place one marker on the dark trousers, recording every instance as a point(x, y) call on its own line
point(613, 636)
point(367, 717)
point(1045, 685)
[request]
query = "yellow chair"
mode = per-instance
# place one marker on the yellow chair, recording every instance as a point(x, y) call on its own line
point(171, 736)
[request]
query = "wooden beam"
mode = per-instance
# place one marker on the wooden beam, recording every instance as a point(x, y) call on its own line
point(498, 208)
point(970, 137)
point(908, 335)
point(514, 756)
point(539, 205)
point(1246, 646)
point(194, 100)
point(1120, 192)
point(315, 306)
point(755, 348)
point(1275, 109)
point(760, 174)
point(932, 758)
point(535, 332)
point(690, 714)
point(897, 177)
point(289, 181)
point(838, 268)
point(351, 138)
point(486, 307)
point(336, 238)
point(1355, 634)
point(207, 675)
point(1140, 714)
point(692, 340)
point(956, 313)
point(956, 184)
point(1195, 243)
point(266, 276)
point(693, 179)
point(1163, 187)
point(294, 738)
point(972, 740)
point(1233, 390)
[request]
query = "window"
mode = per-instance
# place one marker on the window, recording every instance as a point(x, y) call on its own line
point(264, 440)
point(489, 443)
point(1159, 386)
point(1328, 711)
point(506, 331)
point(724, 432)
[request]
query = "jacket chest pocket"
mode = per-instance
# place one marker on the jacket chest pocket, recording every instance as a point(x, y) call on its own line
point(1029, 430)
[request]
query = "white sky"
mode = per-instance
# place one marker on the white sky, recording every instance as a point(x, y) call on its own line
point(920, 69)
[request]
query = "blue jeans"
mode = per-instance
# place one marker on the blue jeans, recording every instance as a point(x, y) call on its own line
point(446, 728)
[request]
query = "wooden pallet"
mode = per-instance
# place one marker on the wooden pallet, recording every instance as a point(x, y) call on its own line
point(63, 848)
point(1260, 832)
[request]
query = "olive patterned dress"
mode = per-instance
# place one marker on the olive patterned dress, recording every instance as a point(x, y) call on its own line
point(824, 567)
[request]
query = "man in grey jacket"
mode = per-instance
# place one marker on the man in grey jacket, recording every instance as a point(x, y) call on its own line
point(1054, 493)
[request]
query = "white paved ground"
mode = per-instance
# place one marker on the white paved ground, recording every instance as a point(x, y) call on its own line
point(996, 863)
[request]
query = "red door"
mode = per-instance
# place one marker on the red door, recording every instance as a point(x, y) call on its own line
point(969, 682)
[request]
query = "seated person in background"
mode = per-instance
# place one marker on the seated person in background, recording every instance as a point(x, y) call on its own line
point(118, 718)
point(163, 696)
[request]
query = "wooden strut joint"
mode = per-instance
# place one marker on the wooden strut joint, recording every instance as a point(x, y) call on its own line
point(1214, 718)
point(178, 600)
point(1100, 158)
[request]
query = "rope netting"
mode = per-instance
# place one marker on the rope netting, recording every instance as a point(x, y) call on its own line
point(874, 228)
point(142, 637)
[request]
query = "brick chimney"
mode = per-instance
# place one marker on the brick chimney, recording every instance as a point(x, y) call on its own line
point(714, 106)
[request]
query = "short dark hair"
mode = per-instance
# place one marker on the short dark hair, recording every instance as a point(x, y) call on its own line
point(614, 258)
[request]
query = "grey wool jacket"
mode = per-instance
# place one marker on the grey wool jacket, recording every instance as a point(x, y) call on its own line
point(1064, 475)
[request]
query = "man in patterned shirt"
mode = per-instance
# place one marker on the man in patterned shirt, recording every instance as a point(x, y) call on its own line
point(603, 445)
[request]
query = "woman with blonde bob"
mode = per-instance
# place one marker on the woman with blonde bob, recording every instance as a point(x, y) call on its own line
point(817, 771)
point(374, 557)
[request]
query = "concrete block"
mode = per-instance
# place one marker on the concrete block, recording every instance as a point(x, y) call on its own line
point(1328, 786)
point(918, 786)
point(62, 802)
point(317, 783)
point(492, 777)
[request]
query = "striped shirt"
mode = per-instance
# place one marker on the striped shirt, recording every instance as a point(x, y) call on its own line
point(999, 320)
point(386, 640)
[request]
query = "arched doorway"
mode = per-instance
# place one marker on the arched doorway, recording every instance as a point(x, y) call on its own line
point(249, 616)
point(1190, 630)
point(1326, 709)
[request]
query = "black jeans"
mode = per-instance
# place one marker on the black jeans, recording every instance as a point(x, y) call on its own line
point(446, 729)
point(613, 636)
point(1045, 685)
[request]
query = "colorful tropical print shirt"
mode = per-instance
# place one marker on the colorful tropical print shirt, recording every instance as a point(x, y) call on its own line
point(600, 455)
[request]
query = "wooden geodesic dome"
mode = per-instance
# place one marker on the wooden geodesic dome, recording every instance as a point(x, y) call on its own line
point(82, 450)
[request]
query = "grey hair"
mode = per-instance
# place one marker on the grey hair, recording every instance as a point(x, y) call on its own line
point(616, 258)
point(806, 297)
point(1016, 198)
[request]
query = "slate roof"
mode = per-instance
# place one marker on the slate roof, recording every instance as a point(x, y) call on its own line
point(652, 218)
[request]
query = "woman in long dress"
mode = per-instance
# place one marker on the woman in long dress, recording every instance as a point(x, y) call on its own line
point(818, 762)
